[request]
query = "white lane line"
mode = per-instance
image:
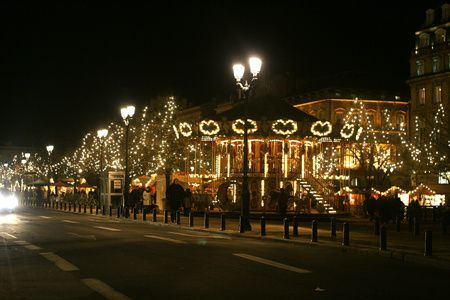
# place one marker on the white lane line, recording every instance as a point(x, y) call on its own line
point(164, 239)
point(69, 221)
point(201, 235)
point(104, 289)
point(27, 245)
point(107, 228)
point(59, 261)
point(88, 237)
point(272, 263)
point(7, 236)
point(45, 217)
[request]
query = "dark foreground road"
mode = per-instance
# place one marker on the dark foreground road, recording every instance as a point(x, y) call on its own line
point(55, 255)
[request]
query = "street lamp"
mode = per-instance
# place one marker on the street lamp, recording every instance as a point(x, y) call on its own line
point(127, 114)
point(101, 134)
point(239, 70)
point(49, 151)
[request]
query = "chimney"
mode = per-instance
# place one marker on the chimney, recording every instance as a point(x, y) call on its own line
point(445, 11)
point(429, 16)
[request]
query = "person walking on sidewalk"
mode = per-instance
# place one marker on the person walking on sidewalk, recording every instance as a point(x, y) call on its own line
point(175, 195)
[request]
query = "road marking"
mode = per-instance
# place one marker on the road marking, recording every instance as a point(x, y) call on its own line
point(107, 228)
point(201, 235)
point(104, 289)
point(165, 239)
point(27, 245)
point(88, 237)
point(45, 217)
point(272, 263)
point(7, 235)
point(69, 221)
point(59, 261)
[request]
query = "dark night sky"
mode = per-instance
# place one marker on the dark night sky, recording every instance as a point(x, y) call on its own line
point(66, 68)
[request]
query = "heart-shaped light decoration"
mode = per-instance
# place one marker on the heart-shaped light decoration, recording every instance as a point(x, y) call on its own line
point(284, 127)
point(209, 127)
point(185, 129)
point(238, 126)
point(358, 133)
point(347, 131)
point(320, 128)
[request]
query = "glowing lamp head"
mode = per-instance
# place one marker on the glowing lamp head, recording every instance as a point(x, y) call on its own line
point(131, 109)
point(238, 70)
point(23, 161)
point(255, 65)
point(50, 149)
point(27, 156)
point(102, 133)
point(5, 165)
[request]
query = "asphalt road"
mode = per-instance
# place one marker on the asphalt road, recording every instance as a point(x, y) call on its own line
point(48, 254)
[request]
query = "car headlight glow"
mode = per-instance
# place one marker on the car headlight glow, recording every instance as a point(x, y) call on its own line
point(8, 202)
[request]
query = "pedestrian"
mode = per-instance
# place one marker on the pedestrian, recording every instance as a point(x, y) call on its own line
point(146, 198)
point(187, 201)
point(174, 196)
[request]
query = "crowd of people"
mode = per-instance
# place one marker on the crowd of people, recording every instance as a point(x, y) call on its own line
point(385, 208)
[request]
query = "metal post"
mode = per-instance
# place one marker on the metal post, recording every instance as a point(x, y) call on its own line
point(154, 219)
point(376, 228)
point(118, 211)
point(166, 216)
point(206, 220)
point(428, 243)
point(346, 234)
point(263, 226)
point(286, 229)
point(90, 209)
point(191, 219)
point(110, 211)
point(222, 222)
point(333, 228)
point(241, 224)
point(96, 209)
point(65, 206)
point(383, 238)
point(144, 214)
point(295, 226)
point(314, 231)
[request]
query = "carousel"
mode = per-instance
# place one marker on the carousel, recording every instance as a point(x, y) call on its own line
point(283, 145)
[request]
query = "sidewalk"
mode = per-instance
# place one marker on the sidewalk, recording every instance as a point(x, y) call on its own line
point(401, 245)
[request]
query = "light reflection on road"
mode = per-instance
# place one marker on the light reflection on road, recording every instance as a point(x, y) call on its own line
point(9, 219)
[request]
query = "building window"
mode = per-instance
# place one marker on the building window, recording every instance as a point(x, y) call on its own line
point(444, 178)
point(371, 120)
point(422, 95)
point(339, 116)
point(400, 122)
point(424, 40)
point(437, 94)
point(440, 35)
point(436, 64)
point(420, 70)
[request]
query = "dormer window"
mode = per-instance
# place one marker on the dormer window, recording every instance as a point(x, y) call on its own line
point(420, 70)
point(436, 64)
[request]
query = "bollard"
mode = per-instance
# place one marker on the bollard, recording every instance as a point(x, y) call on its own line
point(166, 216)
point(295, 226)
point(416, 226)
point(96, 209)
point(206, 220)
point(263, 226)
point(286, 229)
point(241, 224)
point(144, 214)
point(154, 215)
point(345, 234)
point(90, 209)
point(118, 211)
point(314, 231)
point(398, 223)
point(65, 206)
point(332, 229)
point(134, 213)
point(376, 227)
point(110, 211)
point(191, 219)
point(79, 208)
point(222, 222)
point(84, 208)
point(69, 206)
point(428, 243)
point(103, 210)
point(383, 238)
point(177, 217)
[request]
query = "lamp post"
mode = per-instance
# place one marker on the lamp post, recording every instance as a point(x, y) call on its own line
point(23, 162)
point(238, 70)
point(27, 156)
point(101, 134)
point(127, 114)
point(49, 151)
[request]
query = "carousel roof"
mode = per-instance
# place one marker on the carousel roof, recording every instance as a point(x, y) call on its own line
point(265, 108)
